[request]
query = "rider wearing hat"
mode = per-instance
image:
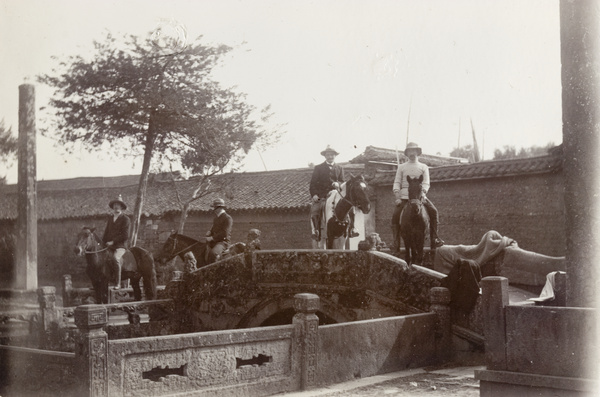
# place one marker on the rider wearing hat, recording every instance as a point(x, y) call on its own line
point(414, 169)
point(326, 176)
point(218, 237)
point(116, 236)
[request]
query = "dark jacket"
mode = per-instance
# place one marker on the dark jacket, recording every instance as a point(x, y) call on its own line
point(117, 231)
point(323, 177)
point(221, 229)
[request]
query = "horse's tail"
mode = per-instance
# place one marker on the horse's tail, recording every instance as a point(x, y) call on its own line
point(145, 264)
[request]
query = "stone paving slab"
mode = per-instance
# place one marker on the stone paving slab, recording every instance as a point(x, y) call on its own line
point(456, 381)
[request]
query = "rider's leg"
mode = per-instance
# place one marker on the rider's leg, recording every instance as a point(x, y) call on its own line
point(315, 220)
point(396, 225)
point(214, 253)
point(118, 263)
point(433, 226)
point(353, 231)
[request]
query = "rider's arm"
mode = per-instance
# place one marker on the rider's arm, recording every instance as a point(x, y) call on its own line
point(122, 232)
point(314, 182)
point(397, 186)
point(425, 183)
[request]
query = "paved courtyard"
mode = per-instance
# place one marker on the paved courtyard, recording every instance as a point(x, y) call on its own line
point(449, 381)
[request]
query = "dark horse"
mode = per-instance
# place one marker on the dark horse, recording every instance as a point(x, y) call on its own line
point(137, 263)
point(336, 219)
point(414, 222)
point(178, 245)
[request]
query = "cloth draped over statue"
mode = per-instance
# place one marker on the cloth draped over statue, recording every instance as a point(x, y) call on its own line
point(518, 265)
point(495, 255)
point(492, 243)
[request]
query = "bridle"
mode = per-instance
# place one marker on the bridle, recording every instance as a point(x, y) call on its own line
point(188, 248)
point(348, 195)
point(348, 199)
point(97, 240)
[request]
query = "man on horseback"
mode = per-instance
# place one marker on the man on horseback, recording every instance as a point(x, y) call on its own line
point(326, 176)
point(414, 169)
point(219, 236)
point(116, 236)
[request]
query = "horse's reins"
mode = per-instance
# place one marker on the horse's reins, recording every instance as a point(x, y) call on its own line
point(188, 248)
point(347, 200)
point(98, 240)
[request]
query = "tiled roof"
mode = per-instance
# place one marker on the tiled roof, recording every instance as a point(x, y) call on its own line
point(376, 154)
point(483, 169)
point(256, 191)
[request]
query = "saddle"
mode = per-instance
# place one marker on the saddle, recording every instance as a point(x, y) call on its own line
point(129, 262)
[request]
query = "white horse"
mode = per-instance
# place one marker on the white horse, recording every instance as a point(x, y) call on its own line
point(335, 220)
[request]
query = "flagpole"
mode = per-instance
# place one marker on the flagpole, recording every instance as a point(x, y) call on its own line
point(408, 121)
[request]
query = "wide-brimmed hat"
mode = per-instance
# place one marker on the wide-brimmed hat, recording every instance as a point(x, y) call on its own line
point(329, 149)
point(218, 203)
point(119, 200)
point(414, 146)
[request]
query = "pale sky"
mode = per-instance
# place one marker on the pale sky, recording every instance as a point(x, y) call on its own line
point(338, 72)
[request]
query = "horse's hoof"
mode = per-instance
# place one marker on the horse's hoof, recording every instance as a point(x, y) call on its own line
point(116, 287)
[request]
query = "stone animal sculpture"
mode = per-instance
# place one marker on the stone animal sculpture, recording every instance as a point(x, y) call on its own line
point(372, 243)
point(137, 264)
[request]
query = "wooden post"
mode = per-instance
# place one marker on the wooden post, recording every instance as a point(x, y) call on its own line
point(26, 244)
point(440, 304)
point(91, 352)
point(495, 299)
point(307, 322)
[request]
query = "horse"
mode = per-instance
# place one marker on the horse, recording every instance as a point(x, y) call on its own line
point(414, 222)
point(178, 245)
point(137, 264)
point(335, 221)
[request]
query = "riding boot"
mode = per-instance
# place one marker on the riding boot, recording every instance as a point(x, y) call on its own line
point(116, 269)
point(396, 243)
point(435, 241)
point(316, 228)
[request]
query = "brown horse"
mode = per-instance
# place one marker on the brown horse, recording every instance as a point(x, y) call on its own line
point(137, 264)
point(414, 222)
point(178, 245)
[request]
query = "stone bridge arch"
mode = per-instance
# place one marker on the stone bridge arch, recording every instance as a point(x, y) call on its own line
point(279, 311)
point(256, 289)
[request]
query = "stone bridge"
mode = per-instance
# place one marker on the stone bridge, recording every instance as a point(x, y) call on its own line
point(257, 288)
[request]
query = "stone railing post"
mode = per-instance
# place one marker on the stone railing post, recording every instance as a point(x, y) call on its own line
point(67, 287)
point(47, 301)
point(440, 305)
point(307, 338)
point(91, 351)
point(494, 299)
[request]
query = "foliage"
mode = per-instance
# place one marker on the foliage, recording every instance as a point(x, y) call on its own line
point(510, 152)
point(465, 152)
point(142, 99)
point(8, 146)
